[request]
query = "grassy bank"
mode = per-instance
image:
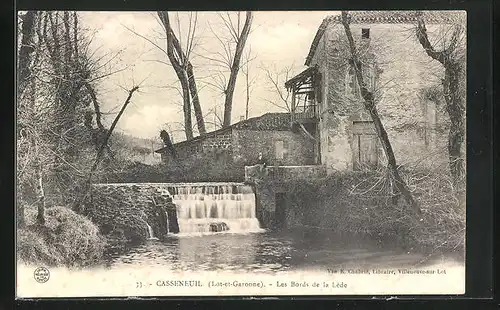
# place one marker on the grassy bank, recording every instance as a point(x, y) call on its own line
point(66, 239)
point(363, 203)
point(195, 169)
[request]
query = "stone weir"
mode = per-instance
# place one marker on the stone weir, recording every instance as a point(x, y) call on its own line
point(154, 210)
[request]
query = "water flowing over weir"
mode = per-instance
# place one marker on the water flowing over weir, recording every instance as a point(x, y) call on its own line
point(150, 232)
point(215, 207)
point(173, 208)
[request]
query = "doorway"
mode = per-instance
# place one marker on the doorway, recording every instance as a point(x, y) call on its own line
point(280, 211)
point(364, 145)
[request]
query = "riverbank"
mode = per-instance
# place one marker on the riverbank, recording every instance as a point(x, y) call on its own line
point(66, 239)
point(363, 203)
point(343, 204)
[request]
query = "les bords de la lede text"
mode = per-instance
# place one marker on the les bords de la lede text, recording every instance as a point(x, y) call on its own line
point(288, 283)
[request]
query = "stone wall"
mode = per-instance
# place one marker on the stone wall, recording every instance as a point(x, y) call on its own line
point(185, 150)
point(217, 141)
point(399, 72)
point(298, 149)
point(270, 181)
point(124, 211)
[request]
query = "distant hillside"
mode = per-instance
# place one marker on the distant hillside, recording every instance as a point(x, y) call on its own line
point(132, 148)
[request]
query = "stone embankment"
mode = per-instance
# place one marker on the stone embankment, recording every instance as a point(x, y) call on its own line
point(124, 211)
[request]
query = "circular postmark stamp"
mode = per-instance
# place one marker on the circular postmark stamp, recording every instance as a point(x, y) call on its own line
point(41, 275)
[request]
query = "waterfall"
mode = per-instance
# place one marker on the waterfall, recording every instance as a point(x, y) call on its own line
point(166, 224)
point(151, 233)
point(215, 207)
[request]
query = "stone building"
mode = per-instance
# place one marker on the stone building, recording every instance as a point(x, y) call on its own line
point(328, 125)
point(240, 143)
point(327, 103)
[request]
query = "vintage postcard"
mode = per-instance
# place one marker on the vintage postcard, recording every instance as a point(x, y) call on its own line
point(240, 153)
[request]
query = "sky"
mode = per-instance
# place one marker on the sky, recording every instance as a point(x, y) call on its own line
point(130, 42)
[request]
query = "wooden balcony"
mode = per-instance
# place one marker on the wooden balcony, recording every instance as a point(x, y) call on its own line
point(306, 114)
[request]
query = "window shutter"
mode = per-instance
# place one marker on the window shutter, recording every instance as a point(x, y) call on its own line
point(279, 147)
point(319, 87)
point(285, 149)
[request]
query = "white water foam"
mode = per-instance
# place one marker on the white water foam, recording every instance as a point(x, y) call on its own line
point(199, 205)
point(151, 232)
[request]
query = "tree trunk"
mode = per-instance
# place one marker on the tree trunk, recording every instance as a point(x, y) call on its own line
point(23, 73)
point(454, 95)
point(98, 120)
point(369, 103)
point(196, 100)
point(181, 73)
point(40, 217)
point(25, 52)
point(187, 67)
point(247, 91)
point(456, 109)
point(240, 45)
point(21, 222)
point(188, 123)
point(86, 191)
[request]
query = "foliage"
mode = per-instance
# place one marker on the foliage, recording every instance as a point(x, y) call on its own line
point(120, 214)
point(193, 169)
point(54, 111)
point(363, 203)
point(66, 239)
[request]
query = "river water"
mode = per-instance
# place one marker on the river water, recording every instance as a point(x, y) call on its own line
point(244, 246)
point(270, 252)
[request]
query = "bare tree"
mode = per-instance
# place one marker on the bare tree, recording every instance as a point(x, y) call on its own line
point(240, 38)
point(178, 65)
point(180, 60)
point(249, 82)
point(55, 93)
point(25, 51)
point(452, 58)
point(23, 73)
point(101, 149)
point(230, 59)
point(370, 106)
point(276, 85)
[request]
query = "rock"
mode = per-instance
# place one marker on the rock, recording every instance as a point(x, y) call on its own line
point(218, 227)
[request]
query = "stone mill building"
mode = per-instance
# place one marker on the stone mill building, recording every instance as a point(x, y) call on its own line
point(328, 126)
point(405, 81)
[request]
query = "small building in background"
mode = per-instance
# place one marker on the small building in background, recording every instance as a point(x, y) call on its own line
point(239, 144)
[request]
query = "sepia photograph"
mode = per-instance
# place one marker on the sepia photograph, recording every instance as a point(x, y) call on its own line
point(240, 153)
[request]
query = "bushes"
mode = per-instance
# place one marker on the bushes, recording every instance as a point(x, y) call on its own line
point(123, 212)
point(194, 169)
point(363, 203)
point(66, 239)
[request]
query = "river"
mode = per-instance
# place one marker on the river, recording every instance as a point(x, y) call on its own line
point(270, 252)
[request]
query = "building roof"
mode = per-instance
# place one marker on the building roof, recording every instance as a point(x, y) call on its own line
point(268, 121)
point(381, 17)
point(301, 76)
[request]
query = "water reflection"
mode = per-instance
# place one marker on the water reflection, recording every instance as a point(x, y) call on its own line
point(267, 252)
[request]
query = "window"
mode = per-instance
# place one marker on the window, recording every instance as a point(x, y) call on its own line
point(365, 33)
point(352, 87)
point(369, 78)
point(281, 149)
